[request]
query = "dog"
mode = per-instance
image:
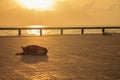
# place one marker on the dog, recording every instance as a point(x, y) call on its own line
point(33, 50)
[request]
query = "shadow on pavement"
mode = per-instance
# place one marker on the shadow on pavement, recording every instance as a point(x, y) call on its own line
point(32, 59)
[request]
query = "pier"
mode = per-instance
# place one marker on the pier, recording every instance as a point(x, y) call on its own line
point(61, 29)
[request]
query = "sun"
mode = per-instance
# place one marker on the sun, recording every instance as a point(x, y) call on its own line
point(37, 4)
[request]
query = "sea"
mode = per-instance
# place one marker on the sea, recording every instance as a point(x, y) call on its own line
point(34, 32)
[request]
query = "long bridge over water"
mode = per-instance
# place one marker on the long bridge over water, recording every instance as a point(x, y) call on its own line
point(61, 29)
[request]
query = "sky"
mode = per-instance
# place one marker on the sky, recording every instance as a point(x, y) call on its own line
point(65, 13)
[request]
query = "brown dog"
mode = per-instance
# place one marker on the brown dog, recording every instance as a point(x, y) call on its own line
point(33, 50)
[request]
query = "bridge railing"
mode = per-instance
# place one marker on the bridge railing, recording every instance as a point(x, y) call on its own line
point(82, 29)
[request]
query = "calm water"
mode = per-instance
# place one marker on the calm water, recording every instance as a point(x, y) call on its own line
point(55, 32)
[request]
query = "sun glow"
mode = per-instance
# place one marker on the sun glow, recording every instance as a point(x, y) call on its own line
point(38, 4)
point(35, 31)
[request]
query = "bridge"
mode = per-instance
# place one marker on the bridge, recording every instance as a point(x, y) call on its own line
point(82, 29)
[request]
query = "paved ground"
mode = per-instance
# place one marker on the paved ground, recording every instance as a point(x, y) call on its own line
point(86, 57)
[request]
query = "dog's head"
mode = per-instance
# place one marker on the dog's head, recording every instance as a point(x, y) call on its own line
point(24, 49)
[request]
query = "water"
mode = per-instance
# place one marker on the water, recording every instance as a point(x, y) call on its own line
point(55, 32)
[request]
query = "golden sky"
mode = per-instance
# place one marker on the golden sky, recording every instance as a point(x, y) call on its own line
point(65, 13)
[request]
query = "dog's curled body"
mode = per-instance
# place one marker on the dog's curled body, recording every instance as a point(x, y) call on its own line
point(34, 50)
